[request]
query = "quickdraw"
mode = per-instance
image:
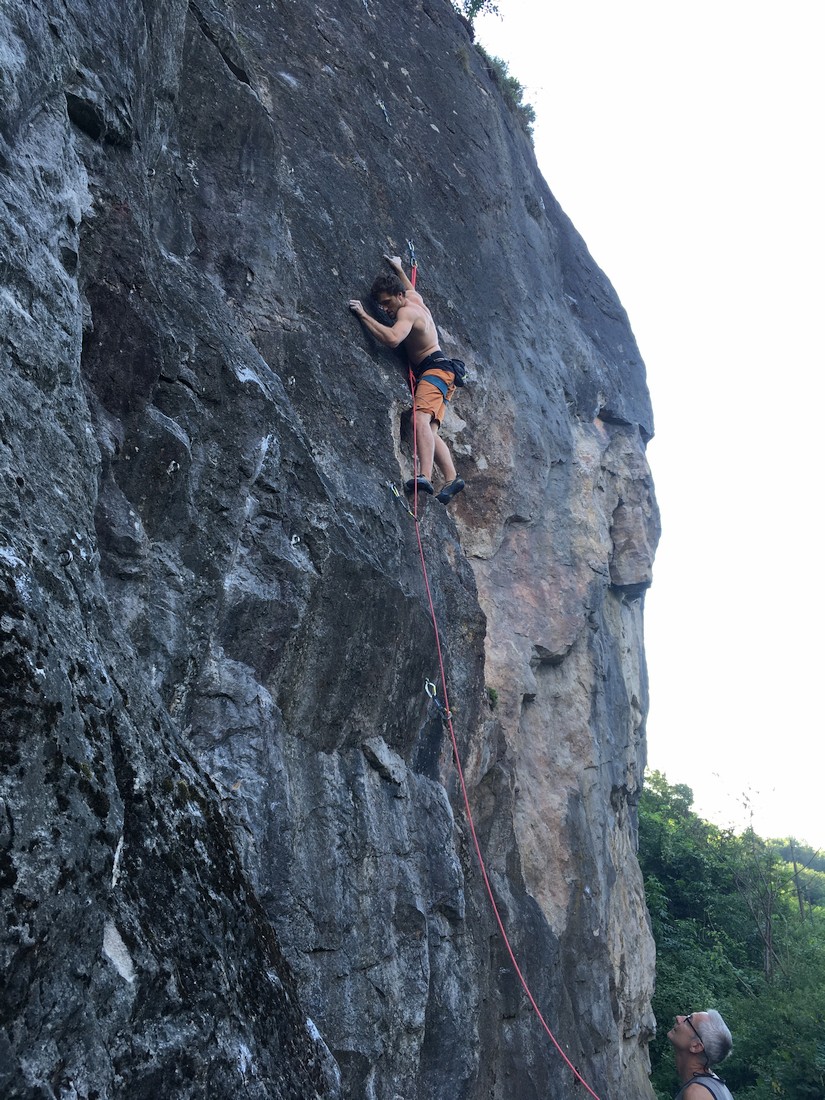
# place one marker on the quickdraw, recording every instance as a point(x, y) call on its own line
point(399, 496)
point(431, 690)
point(413, 262)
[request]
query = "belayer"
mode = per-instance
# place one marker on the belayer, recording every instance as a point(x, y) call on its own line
point(700, 1041)
point(414, 327)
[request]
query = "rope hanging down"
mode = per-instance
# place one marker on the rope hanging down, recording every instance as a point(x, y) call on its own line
point(446, 717)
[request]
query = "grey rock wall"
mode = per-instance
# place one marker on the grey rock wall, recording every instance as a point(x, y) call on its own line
point(234, 857)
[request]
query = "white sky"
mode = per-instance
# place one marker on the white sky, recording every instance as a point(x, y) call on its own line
point(685, 142)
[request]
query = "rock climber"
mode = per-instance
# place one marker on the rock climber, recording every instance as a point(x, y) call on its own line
point(414, 327)
point(700, 1040)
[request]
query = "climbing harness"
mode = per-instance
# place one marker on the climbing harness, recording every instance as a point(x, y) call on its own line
point(446, 717)
point(440, 361)
point(439, 383)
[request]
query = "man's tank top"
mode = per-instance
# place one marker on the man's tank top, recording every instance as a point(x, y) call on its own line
point(715, 1085)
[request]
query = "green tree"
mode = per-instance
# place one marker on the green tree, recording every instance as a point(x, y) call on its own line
point(472, 8)
point(511, 88)
point(732, 933)
point(706, 946)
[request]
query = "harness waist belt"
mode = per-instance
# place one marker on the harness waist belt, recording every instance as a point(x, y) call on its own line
point(431, 360)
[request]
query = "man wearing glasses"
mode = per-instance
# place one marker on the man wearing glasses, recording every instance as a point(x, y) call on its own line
point(699, 1041)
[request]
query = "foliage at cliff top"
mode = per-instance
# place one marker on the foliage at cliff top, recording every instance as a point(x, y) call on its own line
point(739, 924)
point(472, 8)
point(511, 88)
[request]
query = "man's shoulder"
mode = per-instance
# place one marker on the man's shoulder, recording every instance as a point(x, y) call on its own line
point(704, 1089)
point(417, 308)
point(415, 315)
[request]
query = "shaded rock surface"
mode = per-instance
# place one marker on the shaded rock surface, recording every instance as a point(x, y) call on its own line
point(234, 858)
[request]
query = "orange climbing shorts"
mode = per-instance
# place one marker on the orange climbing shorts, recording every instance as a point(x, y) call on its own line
point(429, 398)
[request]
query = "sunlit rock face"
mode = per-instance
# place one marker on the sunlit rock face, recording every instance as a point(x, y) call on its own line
point(234, 855)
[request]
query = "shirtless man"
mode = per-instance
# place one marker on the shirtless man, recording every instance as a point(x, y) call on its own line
point(413, 326)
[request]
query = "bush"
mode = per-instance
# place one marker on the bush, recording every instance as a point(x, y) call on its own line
point(511, 88)
point(471, 8)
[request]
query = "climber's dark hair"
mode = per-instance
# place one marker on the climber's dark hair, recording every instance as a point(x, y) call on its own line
point(387, 284)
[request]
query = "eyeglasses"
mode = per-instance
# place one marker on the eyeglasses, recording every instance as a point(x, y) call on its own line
point(689, 1022)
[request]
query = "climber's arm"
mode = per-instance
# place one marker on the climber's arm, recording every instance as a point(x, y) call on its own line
point(389, 336)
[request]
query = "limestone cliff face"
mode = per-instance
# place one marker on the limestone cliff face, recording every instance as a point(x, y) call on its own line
point(233, 856)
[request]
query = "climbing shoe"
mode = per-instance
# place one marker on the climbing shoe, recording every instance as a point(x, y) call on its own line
point(423, 485)
point(449, 491)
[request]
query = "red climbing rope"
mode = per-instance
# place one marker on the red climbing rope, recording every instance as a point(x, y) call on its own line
point(446, 716)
